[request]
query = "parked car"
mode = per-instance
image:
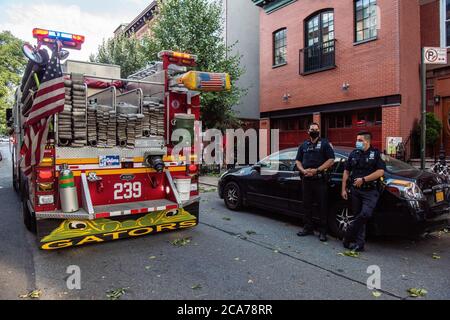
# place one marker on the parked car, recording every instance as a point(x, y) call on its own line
point(413, 202)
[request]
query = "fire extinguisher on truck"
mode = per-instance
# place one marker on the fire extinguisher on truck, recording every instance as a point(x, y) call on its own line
point(107, 171)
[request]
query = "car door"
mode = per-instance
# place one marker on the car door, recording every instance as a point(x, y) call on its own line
point(268, 187)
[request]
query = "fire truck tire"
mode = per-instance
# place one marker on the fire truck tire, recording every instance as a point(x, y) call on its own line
point(16, 182)
point(29, 218)
point(14, 176)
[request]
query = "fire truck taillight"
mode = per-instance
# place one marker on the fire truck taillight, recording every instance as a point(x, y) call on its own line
point(45, 186)
point(46, 162)
point(45, 174)
point(192, 169)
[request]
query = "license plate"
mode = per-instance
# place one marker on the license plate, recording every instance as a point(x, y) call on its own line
point(439, 196)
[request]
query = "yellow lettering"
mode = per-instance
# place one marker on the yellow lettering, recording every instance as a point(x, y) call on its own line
point(89, 239)
point(57, 245)
point(188, 224)
point(115, 235)
point(140, 232)
point(172, 226)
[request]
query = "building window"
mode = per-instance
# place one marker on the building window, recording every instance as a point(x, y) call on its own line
point(280, 47)
point(366, 20)
point(445, 23)
point(318, 53)
point(370, 118)
point(292, 124)
point(339, 121)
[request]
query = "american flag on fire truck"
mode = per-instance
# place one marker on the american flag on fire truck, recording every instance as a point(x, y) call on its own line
point(48, 101)
point(209, 81)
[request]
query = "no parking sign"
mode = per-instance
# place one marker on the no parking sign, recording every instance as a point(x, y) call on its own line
point(435, 55)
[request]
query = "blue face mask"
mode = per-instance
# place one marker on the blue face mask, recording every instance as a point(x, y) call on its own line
point(360, 145)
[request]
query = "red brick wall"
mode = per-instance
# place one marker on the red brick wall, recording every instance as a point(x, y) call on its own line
point(410, 56)
point(391, 119)
point(372, 69)
point(430, 24)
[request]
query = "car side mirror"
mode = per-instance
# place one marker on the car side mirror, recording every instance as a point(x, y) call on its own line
point(257, 168)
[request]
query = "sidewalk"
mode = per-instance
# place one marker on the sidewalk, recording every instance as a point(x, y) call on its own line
point(209, 181)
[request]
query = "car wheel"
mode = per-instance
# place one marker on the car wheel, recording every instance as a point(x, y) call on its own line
point(339, 219)
point(232, 196)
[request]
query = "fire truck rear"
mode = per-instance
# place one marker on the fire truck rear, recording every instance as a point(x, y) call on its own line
point(112, 166)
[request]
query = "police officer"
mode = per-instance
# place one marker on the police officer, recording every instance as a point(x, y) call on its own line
point(365, 168)
point(315, 156)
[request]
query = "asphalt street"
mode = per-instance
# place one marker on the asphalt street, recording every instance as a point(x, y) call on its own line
point(231, 255)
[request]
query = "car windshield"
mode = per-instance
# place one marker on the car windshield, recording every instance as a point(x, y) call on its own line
point(280, 156)
point(394, 165)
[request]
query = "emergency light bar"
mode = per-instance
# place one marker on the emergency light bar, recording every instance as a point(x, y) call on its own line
point(71, 41)
point(205, 81)
point(179, 55)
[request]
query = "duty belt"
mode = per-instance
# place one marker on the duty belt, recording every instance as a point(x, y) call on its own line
point(373, 185)
point(319, 176)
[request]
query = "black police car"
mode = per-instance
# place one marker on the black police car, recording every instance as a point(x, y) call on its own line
point(412, 202)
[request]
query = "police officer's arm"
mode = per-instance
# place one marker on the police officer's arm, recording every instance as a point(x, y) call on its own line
point(345, 177)
point(299, 160)
point(344, 184)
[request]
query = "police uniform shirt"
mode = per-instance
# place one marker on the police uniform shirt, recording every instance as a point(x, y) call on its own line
point(313, 155)
point(362, 164)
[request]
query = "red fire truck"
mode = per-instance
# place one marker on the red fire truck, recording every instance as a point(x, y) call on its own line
point(109, 185)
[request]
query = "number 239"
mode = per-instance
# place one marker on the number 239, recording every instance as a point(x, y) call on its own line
point(127, 190)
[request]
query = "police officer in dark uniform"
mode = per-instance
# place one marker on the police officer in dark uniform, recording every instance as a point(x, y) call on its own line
point(315, 156)
point(365, 168)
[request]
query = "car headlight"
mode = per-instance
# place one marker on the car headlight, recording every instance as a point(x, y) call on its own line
point(405, 189)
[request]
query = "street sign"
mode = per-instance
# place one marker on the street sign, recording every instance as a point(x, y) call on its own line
point(435, 55)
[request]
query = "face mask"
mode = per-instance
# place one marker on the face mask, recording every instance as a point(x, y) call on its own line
point(360, 145)
point(314, 134)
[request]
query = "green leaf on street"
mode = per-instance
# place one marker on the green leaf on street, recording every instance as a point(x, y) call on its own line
point(376, 294)
point(116, 294)
point(351, 254)
point(35, 294)
point(181, 242)
point(196, 287)
point(416, 293)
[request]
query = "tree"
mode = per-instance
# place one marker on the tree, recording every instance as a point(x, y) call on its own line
point(433, 132)
point(123, 51)
point(12, 64)
point(196, 27)
point(434, 128)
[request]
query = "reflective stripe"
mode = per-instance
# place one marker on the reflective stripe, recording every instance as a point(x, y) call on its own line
point(133, 212)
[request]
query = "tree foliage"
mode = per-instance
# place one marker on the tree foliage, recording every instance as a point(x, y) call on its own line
point(434, 129)
point(12, 64)
point(197, 27)
point(121, 50)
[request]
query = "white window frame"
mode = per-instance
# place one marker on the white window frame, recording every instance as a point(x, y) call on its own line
point(443, 25)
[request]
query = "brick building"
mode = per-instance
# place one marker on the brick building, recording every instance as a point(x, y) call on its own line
point(435, 22)
point(350, 65)
point(141, 25)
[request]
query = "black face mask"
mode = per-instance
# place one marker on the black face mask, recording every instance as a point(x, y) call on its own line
point(314, 134)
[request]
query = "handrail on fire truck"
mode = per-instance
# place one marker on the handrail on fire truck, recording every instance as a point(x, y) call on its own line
point(119, 79)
